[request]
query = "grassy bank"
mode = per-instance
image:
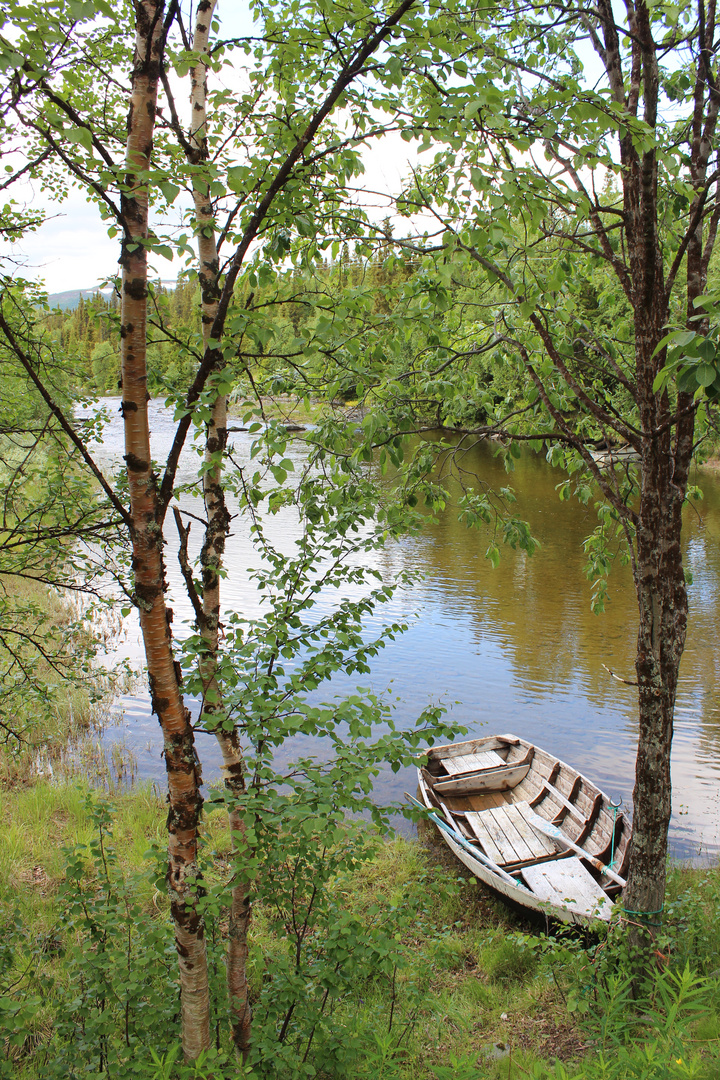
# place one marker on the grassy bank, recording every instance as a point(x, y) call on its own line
point(441, 981)
point(371, 958)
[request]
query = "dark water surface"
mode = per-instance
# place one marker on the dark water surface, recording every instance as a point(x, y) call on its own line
point(515, 649)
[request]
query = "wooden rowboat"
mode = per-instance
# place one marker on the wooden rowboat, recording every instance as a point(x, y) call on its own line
point(528, 825)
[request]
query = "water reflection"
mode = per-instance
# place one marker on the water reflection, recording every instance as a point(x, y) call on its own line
point(512, 649)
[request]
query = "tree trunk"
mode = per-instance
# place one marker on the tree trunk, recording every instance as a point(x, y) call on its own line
point(213, 549)
point(662, 602)
point(147, 546)
point(662, 598)
point(658, 569)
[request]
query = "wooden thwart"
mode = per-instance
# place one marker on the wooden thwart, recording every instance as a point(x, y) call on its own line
point(473, 746)
point(489, 759)
point(566, 883)
point(500, 778)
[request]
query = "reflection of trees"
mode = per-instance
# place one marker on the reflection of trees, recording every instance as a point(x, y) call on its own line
point(700, 669)
point(539, 606)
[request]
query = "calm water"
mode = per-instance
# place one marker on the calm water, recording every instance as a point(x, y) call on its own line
point(515, 649)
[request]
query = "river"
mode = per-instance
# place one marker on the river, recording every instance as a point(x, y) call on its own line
point(513, 649)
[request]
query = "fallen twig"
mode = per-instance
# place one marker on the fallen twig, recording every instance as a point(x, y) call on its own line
point(627, 682)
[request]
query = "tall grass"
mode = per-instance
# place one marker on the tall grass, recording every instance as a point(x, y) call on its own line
point(435, 979)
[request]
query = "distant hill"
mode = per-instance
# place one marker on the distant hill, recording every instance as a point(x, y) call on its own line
point(69, 300)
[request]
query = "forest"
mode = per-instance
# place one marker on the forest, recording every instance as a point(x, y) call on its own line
point(544, 276)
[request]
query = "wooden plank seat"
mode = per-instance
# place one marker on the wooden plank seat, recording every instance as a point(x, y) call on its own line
point(507, 837)
point(498, 778)
point(488, 759)
point(567, 883)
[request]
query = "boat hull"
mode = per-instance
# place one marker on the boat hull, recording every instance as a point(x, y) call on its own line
point(563, 878)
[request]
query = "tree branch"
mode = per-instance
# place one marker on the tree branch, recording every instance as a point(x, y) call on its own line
point(63, 421)
point(213, 357)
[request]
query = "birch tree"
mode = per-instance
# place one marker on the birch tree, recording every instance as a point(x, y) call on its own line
point(279, 160)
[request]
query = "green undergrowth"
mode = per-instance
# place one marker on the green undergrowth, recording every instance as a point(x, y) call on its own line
point(398, 969)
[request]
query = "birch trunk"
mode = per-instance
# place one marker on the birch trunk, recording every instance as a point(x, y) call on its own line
point(181, 762)
point(215, 303)
point(213, 549)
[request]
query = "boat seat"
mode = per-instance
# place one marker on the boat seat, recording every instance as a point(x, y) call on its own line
point(506, 835)
point(488, 759)
point(567, 883)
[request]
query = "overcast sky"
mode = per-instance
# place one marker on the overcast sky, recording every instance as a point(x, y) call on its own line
point(72, 249)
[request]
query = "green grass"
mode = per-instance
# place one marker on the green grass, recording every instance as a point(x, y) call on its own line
point(472, 982)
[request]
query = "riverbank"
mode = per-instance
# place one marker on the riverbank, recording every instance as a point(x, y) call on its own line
point(56, 695)
point(87, 962)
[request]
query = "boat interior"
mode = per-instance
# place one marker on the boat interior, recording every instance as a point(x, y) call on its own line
point(489, 789)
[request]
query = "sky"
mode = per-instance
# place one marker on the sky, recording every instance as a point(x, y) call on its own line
point(72, 250)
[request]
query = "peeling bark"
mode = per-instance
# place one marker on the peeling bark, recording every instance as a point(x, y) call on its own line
point(183, 770)
point(213, 549)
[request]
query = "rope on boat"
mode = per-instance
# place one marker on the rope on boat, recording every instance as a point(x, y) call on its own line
point(616, 807)
point(644, 915)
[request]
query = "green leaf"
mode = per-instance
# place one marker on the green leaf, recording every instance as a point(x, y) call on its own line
point(81, 9)
point(236, 177)
point(705, 374)
point(304, 225)
point(82, 136)
point(706, 350)
point(493, 555)
point(676, 337)
point(170, 191)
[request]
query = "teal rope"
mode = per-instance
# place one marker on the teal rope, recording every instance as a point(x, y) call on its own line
point(645, 915)
point(612, 849)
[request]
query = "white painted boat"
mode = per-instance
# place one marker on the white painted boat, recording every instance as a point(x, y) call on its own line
point(615, 455)
point(531, 827)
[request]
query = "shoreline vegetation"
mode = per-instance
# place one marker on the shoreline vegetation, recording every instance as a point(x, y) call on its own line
point(57, 696)
point(408, 968)
point(567, 303)
point(296, 414)
point(473, 989)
